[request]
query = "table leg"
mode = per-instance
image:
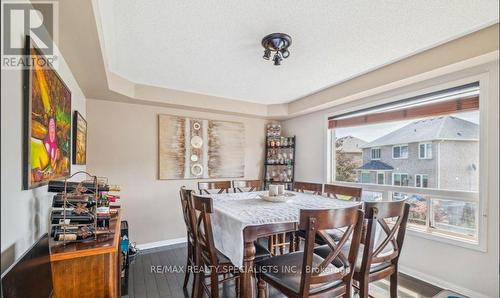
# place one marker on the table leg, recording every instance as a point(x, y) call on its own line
point(297, 242)
point(262, 285)
point(247, 286)
point(270, 243)
point(281, 241)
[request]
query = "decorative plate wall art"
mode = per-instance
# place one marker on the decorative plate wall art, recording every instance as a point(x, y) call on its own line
point(192, 148)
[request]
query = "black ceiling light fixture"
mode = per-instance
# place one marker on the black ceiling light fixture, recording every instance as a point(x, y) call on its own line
point(278, 44)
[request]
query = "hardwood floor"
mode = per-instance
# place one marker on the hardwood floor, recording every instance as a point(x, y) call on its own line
point(165, 279)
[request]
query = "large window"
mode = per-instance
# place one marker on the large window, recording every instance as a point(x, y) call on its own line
point(399, 179)
point(380, 178)
point(365, 177)
point(421, 180)
point(425, 150)
point(400, 151)
point(435, 134)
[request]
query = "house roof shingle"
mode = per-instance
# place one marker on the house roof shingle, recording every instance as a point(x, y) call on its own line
point(375, 165)
point(438, 128)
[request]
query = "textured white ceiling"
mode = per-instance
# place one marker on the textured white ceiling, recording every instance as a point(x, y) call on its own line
point(213, 47)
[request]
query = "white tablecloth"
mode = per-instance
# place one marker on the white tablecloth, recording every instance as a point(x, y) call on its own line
point(235, 211)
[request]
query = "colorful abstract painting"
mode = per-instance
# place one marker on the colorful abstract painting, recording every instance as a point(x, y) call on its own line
point(79, 139)
point(48, 124)
point(192, 148)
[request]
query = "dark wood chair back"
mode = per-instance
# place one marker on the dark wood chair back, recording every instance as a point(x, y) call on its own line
point(315, 188)
point(219, 186)
point(376, 214)
point(334, 191)
point(189, 221)
point(188, 213)
point(207, 253)
point(316, 223)
point(249, 185)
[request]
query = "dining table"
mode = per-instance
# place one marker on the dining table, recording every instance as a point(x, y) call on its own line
point(239, 219)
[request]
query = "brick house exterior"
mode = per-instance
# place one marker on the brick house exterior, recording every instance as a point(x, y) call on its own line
point(440, 152)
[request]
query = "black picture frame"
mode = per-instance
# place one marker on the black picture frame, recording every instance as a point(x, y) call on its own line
point(76, 118)
point(27, 111)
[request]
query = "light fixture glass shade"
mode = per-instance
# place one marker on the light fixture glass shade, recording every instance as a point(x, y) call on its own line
point(277, 59)
point(267, 54)
point(276, 45)
point(285, 53)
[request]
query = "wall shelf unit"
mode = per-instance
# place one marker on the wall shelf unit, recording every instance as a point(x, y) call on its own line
point(279, 163)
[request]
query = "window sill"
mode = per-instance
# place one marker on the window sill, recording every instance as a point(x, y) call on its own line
point(431, 234)
point(445, 238)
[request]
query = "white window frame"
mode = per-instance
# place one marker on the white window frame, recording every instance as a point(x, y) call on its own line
point(379, 150)
point(426, 231)
point(400, 146)
point(401, 178)
point(419, 150)
point(378, 181)
point(421, 180)
point(481, 197)
point(361, 175)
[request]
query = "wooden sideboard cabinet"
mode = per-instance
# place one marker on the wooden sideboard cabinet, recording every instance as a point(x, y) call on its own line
point(88, 269)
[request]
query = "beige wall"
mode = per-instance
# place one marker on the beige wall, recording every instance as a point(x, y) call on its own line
point(472, 272)
point(122, 145)
point(25, 213)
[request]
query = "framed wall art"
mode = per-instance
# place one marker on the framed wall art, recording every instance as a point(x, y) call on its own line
point(192, 148)
point(79, 139)
point(47, 121)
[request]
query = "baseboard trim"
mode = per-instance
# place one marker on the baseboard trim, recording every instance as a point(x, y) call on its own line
point(170, 243)
point(440, 283)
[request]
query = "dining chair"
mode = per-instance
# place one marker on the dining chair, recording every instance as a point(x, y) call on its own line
point(189, 221)
point(277, 244)
point(343, 192)
point(379, 259)
point(304, 187)
point(379, 252)
point(247, 185)
point(207, 256)
point(317, 276)
point(219, 186)
point(314, 188)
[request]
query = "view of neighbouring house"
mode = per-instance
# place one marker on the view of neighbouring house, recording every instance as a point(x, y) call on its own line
point(440, 152)
point(349, 157)
point(351, 147)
